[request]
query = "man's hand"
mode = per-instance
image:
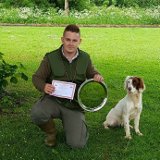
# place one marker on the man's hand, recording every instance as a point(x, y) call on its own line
point(98, 78)
point(48, 88)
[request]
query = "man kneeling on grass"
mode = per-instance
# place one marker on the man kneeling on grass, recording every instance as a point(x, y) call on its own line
point(67, 63)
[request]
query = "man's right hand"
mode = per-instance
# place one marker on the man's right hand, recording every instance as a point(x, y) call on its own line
point(48, 88)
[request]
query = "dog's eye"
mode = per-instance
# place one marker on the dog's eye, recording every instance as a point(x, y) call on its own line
point(134, 83)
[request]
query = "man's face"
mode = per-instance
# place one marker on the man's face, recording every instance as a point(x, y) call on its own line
point(70, 41)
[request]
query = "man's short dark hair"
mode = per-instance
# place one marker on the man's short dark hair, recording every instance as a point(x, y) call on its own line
point(72, 28)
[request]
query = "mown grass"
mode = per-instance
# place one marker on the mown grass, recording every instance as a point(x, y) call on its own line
point(116, 53)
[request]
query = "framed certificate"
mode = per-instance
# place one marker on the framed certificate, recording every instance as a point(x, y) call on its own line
point(63, 89)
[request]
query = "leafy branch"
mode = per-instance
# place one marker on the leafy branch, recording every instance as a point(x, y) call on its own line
point(9, 74)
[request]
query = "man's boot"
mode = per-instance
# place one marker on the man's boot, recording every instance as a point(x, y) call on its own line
point(49, 129)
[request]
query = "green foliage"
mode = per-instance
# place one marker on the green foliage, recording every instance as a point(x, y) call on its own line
point(97, 2)
point(9, 73)
point(103, 2)
point(96, 15)
point(79, 5)
point(7, 102)
point(134, 3)
point(146, 3)
point(73, 4)
point(26, 3)
point(127, 3)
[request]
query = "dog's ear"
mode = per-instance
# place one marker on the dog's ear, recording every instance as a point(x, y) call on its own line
point(125, 82)
point(141, 85)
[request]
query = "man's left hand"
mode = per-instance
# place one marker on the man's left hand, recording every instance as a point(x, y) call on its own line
point(98, 78)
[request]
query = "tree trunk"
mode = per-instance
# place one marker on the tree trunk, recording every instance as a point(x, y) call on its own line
point(66, 7)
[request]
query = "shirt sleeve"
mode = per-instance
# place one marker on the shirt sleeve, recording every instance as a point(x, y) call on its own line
point(91, 71)
point(40, 77)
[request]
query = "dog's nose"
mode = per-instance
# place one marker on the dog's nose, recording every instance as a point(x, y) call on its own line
point(129, 88)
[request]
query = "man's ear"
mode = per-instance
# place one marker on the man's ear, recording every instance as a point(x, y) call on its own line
point(62, 39)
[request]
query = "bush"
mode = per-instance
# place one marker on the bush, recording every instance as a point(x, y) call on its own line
point(9, 73)
point(134, 3)
point(79, 5)
point(73, 4)
point(25, 3)
point(127, 3)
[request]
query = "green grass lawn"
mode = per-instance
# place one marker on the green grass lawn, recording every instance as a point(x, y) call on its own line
point(116, 53)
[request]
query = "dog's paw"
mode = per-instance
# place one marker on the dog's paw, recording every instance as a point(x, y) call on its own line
point(106, 126)
point(128, 137)
point(139, 133)
point(131, 126)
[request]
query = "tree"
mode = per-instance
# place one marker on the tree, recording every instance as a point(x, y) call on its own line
point(110, 3)
point(66, 7)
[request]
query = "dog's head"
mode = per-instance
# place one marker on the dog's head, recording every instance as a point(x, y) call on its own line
point(134, 84)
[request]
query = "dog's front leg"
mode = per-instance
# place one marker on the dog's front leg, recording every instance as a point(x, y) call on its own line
point(136, 124)
point(127, 127)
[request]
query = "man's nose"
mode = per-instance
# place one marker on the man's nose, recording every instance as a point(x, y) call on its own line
point(70, 42)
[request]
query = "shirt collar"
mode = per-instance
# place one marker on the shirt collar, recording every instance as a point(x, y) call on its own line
point(70, 60)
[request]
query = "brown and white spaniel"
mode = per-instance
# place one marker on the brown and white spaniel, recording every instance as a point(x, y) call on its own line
point(128, 108)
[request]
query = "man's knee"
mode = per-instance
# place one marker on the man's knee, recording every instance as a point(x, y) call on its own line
point(38, 116)
point(78, 141)
point(73, 143)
